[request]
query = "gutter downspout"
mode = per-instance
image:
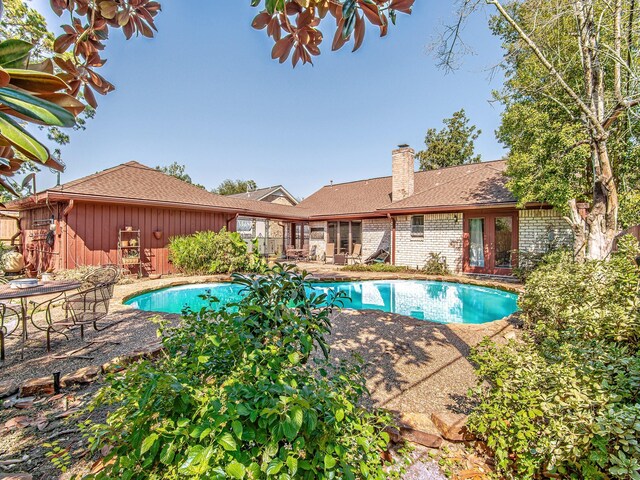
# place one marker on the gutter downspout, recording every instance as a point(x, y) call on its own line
point(65, 215)
point(393, 238)
point(232, 218)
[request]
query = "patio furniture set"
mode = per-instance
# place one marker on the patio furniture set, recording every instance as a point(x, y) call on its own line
point(19, 312)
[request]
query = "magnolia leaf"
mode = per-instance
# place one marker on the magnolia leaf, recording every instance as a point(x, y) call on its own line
point(35, 81)
point(36, 109)
point(22, 140)
point(5, 78)
point(64, 100)
point(14, 53)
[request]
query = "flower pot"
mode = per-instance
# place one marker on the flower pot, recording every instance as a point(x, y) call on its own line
point(157, 234)
point(128, 228)
point(124, 243)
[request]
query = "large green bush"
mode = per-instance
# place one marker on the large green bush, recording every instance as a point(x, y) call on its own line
point(565, 401)
point(240, 393)
point(211, 252)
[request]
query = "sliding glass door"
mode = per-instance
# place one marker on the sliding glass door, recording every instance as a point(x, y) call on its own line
point(344, 235)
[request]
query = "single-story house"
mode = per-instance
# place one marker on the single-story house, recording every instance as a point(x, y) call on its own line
point(123, 214)
point(466, 214)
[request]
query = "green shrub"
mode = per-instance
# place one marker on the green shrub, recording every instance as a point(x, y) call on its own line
point(436, 264)
point(566, 400)
point(377, 267)
point(211, 252)
point(240, 393)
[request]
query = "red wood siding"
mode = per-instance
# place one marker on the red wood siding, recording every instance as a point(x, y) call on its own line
point(92, 232)
point(38, 254)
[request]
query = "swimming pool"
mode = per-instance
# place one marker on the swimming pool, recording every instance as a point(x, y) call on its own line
point(442, 302)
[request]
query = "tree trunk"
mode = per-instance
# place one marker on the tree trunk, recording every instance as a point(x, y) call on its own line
point(594, 235)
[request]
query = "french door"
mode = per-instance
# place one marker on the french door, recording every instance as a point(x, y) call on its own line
point(490, 242)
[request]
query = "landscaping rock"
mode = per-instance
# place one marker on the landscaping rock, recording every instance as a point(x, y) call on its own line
point(7, 389)
point(510, 335)
point(452, 426)
point(37, 386)
point(82, 376)
point(421, 438)
point(418, 421)
point(16, 476)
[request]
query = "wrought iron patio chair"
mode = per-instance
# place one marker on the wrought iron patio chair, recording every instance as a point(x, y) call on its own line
point(9, 322)
point(86, 307)
point(107, 275)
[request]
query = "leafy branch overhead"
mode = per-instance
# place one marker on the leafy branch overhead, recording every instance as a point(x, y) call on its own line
point(293, 24)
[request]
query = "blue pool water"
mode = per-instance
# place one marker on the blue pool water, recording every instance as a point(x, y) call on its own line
point(441, 302)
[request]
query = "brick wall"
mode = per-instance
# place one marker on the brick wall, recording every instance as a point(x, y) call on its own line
point(320, 244)
point(442, 234)
point(376, 234)
point(541, 230)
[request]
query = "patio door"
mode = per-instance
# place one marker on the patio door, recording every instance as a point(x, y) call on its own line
point(490, 242)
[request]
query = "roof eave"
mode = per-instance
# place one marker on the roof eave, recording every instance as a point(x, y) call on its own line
point(447, 208)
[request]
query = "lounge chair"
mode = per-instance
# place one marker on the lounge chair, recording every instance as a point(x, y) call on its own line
point(356, 254)
point(329, 252)
point(381, 256)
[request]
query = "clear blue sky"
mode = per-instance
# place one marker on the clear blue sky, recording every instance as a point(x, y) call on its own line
point(205, 93)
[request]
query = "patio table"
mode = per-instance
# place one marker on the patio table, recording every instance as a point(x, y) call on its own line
point(55, 288)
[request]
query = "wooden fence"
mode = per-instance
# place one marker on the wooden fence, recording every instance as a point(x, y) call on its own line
point(635, 231)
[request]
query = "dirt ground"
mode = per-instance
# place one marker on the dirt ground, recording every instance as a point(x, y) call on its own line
point(410, 365)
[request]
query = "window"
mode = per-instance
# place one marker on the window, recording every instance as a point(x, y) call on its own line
point(417, 226)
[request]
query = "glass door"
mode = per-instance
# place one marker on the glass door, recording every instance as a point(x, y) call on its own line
point(490, 241)
point(476, 242)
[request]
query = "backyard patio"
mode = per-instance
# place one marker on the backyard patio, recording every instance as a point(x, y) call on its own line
point(412, 367)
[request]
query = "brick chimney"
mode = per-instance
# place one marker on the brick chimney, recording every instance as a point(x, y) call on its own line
point(402, 164)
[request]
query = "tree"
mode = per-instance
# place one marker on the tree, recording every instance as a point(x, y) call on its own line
point(230, 187)
point(571, 100)
point(451, 146)
point(178, 171)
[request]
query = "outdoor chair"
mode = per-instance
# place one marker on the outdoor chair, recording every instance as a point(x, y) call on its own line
point(329, 253)
point(107, 276)
point(290, 253)
point(87, 307)
point(381, 256)
point(9, 322)
point(356, 254)
point(311, 254)
point(304, 255)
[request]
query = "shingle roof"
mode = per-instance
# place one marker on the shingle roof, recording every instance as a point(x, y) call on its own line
point(261, 193)
point(479, 184)
point(133, 182)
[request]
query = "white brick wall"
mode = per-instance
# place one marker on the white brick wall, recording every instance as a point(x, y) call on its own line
point(376, 234)
point(442, 234)
point(541, 230)
point(320, 244)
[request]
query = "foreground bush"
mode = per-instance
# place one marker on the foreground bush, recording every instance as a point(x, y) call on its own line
point(566, 400)
point(211, 252)
point(239, 395)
